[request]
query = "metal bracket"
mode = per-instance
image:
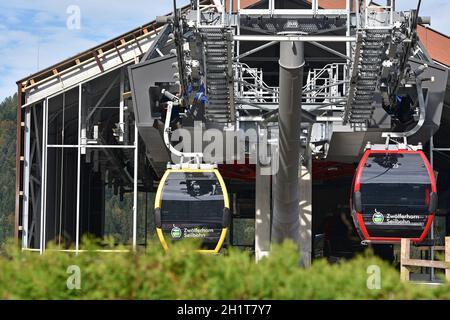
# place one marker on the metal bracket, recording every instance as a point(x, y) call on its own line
point(422, 112)
point(197, 156)
point(396, 145)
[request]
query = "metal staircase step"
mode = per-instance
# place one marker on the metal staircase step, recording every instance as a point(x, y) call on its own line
point(362, 102)
point(370, 49)
point(370, 60)
point(362, 112)
point(216, 44)
point(378, 31)
point(217, 69)
point(217, 89)
point(217, 113)
point(215, 50)
point(356, 121)
point(216, 75)
point(369, 67)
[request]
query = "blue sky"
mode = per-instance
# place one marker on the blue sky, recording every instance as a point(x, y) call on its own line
point(29, 27)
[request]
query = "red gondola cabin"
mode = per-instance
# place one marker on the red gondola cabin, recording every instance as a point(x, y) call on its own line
point(394, 196)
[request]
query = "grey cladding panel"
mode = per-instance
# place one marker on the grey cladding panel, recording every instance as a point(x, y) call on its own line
point(142, 77)
point(434, 100)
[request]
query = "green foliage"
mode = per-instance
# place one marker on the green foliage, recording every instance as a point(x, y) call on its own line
point(184, 274)
point(8, 109)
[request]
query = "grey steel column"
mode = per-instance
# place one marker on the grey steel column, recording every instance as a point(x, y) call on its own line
point(286, 195)
point(262, 197)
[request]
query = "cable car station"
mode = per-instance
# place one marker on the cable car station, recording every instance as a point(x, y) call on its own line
point(340, 108)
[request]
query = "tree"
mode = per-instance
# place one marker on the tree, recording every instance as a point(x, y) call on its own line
point(8, 117)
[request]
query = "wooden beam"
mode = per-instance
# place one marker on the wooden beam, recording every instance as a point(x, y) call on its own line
point(425, 263)
point(99, 63)
point(137, 43)
point(154, 29)
point(435, 248)
point(447, 258)
point(404, 256)
point(118, 52)
point(127, 95)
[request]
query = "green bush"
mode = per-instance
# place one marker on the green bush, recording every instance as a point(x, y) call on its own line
point(184, 274)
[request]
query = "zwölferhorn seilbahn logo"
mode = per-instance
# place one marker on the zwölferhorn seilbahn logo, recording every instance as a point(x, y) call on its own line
point(175, 232)
point(377, 217)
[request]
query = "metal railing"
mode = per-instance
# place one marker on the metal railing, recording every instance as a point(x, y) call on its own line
point(324, 86)
point(250, 85)
point(217, 6)
point(374, 13)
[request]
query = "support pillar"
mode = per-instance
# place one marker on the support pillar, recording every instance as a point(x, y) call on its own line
point(305, 212)
point(26, 178)
point(262, 214)
point(286, 195)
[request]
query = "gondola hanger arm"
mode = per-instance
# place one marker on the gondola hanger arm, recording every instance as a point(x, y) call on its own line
point(194, 159)
point(167, 131)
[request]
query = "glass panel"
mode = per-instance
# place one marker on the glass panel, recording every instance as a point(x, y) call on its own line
point(101, 112)
point(395, 168)
point(146, 218)
point(398, 180)
point(63, 119)
point(396, 194)
point(291, 5)
point(118, 221)
point(106, 194)
point(192, 197)
point(61, 196)
point(243, 232)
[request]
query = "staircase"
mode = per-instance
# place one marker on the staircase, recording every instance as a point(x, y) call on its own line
point(219, 75)
point(374, 31)
point(366, 72)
